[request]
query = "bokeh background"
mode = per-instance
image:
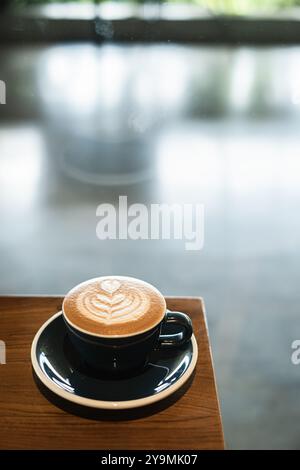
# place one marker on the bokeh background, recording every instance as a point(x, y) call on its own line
point(86, 121)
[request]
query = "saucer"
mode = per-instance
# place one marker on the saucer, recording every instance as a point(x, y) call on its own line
point(62, 372)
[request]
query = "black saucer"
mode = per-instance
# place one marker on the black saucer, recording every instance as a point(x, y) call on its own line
point(62, 372)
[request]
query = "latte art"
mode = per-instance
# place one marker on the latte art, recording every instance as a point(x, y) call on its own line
point(110, 285)
point(111, 305)
point(114, 306)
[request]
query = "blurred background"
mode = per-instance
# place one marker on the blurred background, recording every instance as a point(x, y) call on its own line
point(177, 102)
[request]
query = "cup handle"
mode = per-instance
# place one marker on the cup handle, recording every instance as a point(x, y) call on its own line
point(177, 339)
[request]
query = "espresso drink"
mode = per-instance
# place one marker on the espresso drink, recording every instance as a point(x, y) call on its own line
point(114, 306)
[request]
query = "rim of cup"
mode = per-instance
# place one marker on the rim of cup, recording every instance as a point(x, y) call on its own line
point(100, 335)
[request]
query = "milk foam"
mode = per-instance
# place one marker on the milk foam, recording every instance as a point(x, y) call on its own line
point(113, 304)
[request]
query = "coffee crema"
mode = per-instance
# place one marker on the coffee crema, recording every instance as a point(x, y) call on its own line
point(114, 306)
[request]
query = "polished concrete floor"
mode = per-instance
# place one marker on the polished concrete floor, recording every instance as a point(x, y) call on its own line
point(85, 124)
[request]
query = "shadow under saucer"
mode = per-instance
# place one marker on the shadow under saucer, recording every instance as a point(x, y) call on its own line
point(112, 415)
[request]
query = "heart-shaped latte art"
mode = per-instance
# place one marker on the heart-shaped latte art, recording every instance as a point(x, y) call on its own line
point(110, 285)
point(111, 305)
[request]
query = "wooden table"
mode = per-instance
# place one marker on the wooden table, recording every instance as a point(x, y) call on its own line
point(29, 421)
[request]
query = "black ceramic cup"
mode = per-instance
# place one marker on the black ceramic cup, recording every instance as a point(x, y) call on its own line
point(121, 355)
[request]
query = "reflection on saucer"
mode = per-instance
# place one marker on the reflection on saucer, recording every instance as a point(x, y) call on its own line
point(60, 369)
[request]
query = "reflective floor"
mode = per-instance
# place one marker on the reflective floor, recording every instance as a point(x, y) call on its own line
point(85, 124)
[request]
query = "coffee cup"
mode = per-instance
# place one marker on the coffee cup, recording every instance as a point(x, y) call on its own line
point(115, 323)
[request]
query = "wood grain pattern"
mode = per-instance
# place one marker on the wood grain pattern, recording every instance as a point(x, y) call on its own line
point(29, 421)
